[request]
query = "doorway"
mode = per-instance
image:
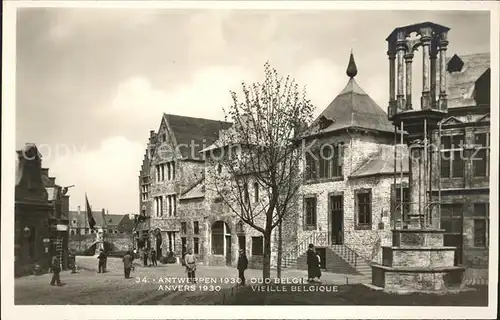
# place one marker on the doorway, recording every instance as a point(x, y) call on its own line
point(337, 219)
point(228, 250)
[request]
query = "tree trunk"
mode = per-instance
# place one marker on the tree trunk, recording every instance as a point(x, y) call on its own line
point(280, 250)
point(266, 263)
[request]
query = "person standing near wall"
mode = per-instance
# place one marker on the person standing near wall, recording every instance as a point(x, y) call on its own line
point(242, 266)
point(102, 258)
point(56, 269)
point(190, 261)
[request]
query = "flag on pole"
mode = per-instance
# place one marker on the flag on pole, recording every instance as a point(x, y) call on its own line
point(89, 213)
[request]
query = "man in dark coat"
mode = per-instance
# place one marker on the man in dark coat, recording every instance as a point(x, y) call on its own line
point(153, 258)
point(312, 263)
point(127, 264)
point(145, 257)
point(56, 269)
point(102, 261)
point(242, 266)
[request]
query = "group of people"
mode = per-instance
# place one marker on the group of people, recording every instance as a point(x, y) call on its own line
point(148, 257)
point(313, 264)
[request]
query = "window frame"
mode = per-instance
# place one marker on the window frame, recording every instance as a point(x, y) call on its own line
point(366, 225)
point(483, 218)
point(196, 227)
point(486, 149)
point(451, 160)
point(254, 251)
point(307, 225)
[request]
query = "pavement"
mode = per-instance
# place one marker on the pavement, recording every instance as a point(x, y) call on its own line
point(164, 284)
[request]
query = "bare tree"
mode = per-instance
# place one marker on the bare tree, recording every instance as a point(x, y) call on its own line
point(260, 152)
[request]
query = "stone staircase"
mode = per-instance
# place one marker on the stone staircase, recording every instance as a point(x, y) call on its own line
point(339, 258)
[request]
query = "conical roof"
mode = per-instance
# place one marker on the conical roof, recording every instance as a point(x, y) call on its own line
point(352, 108)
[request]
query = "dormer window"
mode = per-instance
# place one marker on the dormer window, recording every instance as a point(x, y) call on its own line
point(455, 64)
point(324, 122)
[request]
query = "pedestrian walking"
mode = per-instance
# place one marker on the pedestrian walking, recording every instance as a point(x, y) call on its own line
point(190, 262)
point(145, 257)
point(56, 269)
point(127, 264)
point(242, 266)
point(312, 264)
point(102, 258)
point(153, 258)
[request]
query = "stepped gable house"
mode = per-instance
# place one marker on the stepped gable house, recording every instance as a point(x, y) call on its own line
point(32, 213)
point(172, 169)
point(465, 160)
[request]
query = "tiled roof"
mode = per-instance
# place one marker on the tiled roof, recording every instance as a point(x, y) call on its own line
point(197, 132)
point(382, 163)
point(81, 218)
point(352, 108)
point(461, 84)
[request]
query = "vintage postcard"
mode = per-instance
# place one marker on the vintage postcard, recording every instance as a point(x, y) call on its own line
point(220, 159)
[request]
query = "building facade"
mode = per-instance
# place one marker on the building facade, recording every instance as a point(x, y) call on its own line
point(352, 196)
point(59, 217)
point(463, 177)
point(32, 213)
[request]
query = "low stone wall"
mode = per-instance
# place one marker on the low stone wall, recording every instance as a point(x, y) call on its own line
point(113, 243)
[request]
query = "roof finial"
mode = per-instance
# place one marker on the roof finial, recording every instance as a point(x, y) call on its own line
point(352, 71)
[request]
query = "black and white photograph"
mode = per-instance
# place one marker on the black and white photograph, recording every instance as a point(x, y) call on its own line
point(245, 155)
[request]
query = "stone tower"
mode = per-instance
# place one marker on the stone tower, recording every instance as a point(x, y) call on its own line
point(418, 260)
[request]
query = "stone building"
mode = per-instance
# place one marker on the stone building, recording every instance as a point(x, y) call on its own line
point(171, 172)
point(32, 213)
point(345, 209)
point(463, 178)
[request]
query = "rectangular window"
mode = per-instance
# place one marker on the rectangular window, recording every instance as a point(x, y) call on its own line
point(196, 227)
point(480, 160)
point(169, 201)
point(311, 171)
point(325, 156)
point(163, 172)
point(245, 192)
point(173, 170)
point(257, 246)
point(480, 233)
point(196, 246)
point(481, 210)
point(183, 227)
point(169, 171)
point(452, 156)
point(451, 218)
point(310, 212)
point(337, 161)
point(174, 204)
point(364, 208)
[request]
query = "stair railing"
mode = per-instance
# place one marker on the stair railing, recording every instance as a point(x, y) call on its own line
point(318, 238)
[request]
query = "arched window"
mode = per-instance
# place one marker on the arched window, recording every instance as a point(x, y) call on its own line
point(218, 237)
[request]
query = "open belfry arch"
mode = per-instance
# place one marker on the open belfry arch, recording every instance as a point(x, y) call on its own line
point(418, 260)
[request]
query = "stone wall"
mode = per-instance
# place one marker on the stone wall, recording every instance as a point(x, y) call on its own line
point(82, 244)
point(367, 243)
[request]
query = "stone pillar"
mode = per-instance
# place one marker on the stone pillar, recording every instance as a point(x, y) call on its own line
point(426, 37)
point(401, 49)
point(416, 183)
point(206, 242)
point(433, 57)
point(392, 76)
point(443, 44)
point(408, 60)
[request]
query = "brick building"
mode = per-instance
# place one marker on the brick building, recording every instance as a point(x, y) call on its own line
point(32, 213)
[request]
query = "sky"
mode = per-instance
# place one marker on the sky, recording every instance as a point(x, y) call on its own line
point(91, 83)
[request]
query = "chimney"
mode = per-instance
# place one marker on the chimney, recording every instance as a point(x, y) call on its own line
point(78, 209)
